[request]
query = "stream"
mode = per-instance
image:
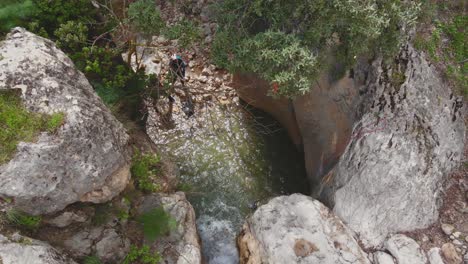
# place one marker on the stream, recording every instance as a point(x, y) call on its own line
point(230, 156)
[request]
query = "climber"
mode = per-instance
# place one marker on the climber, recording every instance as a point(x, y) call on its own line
point(177, 67)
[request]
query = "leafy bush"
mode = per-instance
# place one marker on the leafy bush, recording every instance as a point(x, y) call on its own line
point(280, 59)
point(17, 124)
point(14, 13)
point(50, 15)
point(313, 29)
point(23, 220)
point(145, 167)
point(142, 255)
point(72, 35)
point(156, 223)
point(145, 16)
point(185, 31)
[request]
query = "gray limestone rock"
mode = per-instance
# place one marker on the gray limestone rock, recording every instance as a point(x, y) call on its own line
point(68, 217)
point(86, 159)
point(112, 247)
point(434, 256)
point(103, 242)
point(405, 250)
point(382, 258)
point(409, 137)
point(24, 250)
point(297, 229)
point(181, 245)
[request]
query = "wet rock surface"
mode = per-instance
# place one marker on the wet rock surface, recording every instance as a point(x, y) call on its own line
point(297, 229)
point(409, 138)
point(19, 250)
point(86, 159)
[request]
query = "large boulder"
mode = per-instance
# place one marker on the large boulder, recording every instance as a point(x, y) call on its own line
point(19, 250)
point(182, 244)
point(411, 134)
point(87, 158)
point(297, 229)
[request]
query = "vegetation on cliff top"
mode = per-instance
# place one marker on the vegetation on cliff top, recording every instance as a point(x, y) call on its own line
point(442, 35)
point(288, 43)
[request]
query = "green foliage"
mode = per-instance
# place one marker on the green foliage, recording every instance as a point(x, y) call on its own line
point(17, 124)
point(142, 255)
point(184, 187)
point(92, 260)
point(185, 31)
point(145, 167)
point(72, 35)
point(156, 223)
point(145, 17)
point(14, 13)
point(280, 59)
point(103, 65)
point(23, 220)
point(54, 121)
point(447, 45)
point(314, 29)
point(50, 15)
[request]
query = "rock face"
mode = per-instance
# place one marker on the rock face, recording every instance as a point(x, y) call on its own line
point(182, 245)
point(87, 159)
point(297, 229)
point(18, 250)
point(409, 137)
point(104, 242)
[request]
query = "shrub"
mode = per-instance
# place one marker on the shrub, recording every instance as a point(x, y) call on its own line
point(14, 13)
point(142, 255)
point(145, 17)
point(280, 59)
point(103, 65)
point(18, 124)
point(23, 220)
point(156, 223)
point(71, 36)
point(313, 29)
point(145, 168)
point(50, 15)
point(185, 31)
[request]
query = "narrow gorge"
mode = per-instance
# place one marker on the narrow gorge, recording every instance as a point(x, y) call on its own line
point(281, 141)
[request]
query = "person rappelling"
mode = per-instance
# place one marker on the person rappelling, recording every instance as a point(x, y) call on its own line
point(177, 67)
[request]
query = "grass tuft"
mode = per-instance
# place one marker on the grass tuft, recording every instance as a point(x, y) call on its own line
point(142, 255)
point(23, 220)
point(156, 223)
point(18, 124)
point(92, 260)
